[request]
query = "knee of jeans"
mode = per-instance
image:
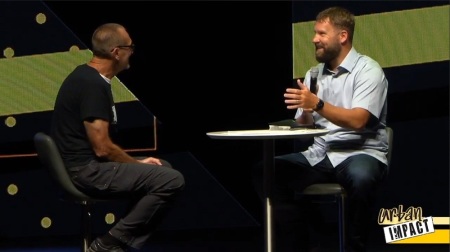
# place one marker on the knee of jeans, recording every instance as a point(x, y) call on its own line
point(361, 187)
point(362, 180)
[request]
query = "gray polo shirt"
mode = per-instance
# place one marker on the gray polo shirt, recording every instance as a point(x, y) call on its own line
point(359, 83)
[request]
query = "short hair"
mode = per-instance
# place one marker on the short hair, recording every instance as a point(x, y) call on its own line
point(339, 17)
point(105, 38)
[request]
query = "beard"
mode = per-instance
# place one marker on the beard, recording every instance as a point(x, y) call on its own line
point(327, 54)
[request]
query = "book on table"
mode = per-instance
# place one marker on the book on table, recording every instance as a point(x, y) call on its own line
point(290, 124)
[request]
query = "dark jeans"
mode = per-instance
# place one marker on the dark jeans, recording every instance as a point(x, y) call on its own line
point(296, 220)
point(150, 189)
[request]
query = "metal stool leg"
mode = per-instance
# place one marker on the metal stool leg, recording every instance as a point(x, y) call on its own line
point(341, 221)
point(86, 222)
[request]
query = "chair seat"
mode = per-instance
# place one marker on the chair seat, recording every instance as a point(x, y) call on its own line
point(324, 189)
point(338, 194)
point(48, 154)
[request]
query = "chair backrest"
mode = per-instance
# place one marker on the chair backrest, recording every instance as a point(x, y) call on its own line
point(390, 135)
point(50, 157)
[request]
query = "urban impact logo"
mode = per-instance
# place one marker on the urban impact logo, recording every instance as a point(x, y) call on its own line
point(408, 226)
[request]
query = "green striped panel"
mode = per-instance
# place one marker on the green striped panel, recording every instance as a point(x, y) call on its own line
point(31, 83)
point(395, 38)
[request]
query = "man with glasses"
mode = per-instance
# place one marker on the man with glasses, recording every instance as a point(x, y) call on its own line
point(84, 119)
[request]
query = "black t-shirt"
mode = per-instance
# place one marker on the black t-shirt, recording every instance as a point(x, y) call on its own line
point(84, 96)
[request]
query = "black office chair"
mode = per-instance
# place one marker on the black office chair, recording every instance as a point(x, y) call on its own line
point(336, 190)
point(50, 157)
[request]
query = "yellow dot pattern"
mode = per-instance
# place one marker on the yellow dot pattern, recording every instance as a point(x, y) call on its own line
point(10, 121)
point(12, 189)
point(110, 218)
point(46, 222)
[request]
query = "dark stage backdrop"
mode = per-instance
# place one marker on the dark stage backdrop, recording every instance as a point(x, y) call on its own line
point(209, 66)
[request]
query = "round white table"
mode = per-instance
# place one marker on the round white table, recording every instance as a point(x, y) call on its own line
point(268, 136)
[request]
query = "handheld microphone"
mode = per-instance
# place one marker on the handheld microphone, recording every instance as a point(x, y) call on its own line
point(314, 72)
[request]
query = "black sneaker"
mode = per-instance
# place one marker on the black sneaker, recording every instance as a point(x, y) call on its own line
point(98, 246)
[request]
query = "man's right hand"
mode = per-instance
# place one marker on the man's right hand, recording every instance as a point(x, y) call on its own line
point(151, 160)
point(300, 98)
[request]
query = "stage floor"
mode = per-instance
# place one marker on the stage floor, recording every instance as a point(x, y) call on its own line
point(211, 240)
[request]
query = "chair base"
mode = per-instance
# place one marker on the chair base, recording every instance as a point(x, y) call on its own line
point(338, 196)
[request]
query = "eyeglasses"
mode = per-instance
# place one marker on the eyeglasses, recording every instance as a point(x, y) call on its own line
point(132, 46)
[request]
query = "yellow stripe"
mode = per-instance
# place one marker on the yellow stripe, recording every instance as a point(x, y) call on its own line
point(436, 221)
point(441, 220)
point(395, 38)
point(35, 80)
point(440, 236)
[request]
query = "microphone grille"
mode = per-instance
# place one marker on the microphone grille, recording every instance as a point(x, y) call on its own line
point(314, 72)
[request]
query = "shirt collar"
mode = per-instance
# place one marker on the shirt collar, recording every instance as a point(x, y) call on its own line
point(106, 78)
point(346, 65)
